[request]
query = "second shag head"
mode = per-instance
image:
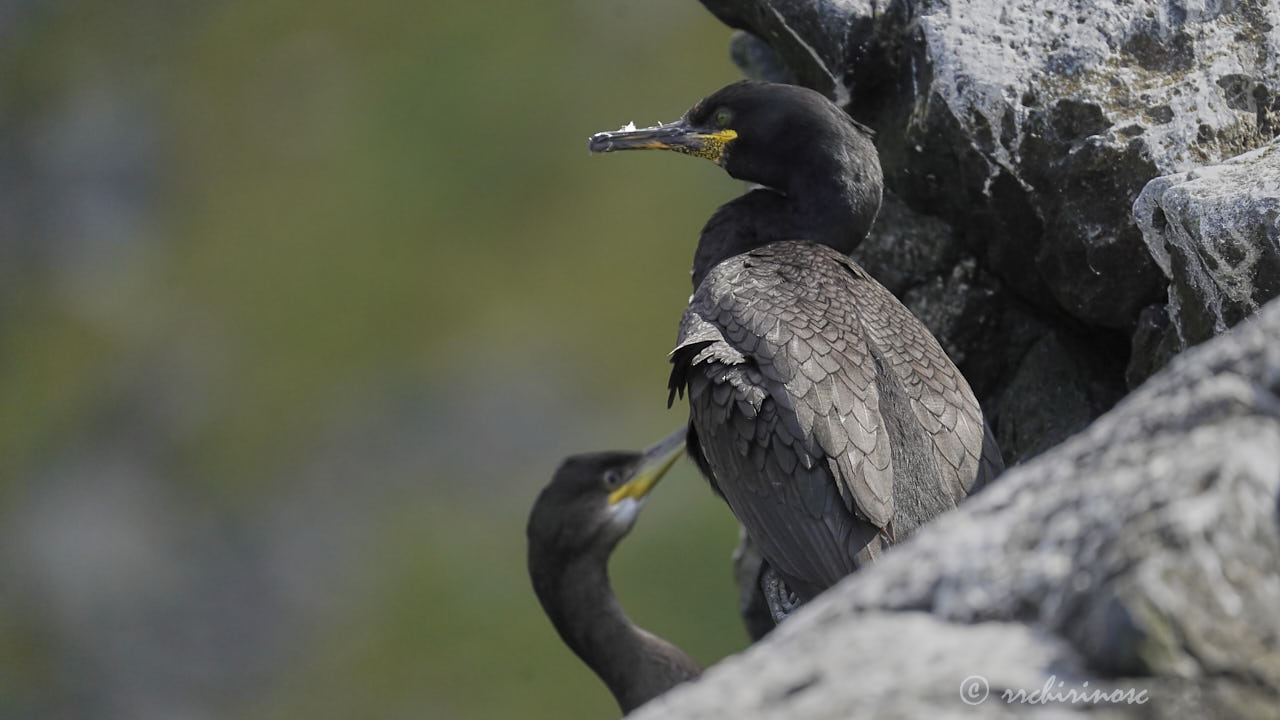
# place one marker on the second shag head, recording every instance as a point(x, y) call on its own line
point(594, 499)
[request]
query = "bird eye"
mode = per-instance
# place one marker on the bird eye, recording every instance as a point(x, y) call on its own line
point(722, 118)
point(612, 479)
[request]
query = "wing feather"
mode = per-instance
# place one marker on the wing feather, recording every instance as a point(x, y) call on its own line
point(781, 351)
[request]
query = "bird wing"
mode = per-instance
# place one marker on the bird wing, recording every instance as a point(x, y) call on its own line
point(941, 400)
point(783, 398)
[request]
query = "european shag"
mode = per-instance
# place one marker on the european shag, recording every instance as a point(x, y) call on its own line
point(821, 409)
point(576, 522)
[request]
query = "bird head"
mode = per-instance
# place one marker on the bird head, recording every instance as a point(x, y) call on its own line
point(593, 500)
point(760, 132)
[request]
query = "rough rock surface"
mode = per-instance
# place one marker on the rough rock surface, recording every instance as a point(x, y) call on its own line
point(1032, 125)
point(1142, 554)
point(1215, 233)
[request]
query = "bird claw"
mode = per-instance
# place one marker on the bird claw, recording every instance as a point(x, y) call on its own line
point(782, 601)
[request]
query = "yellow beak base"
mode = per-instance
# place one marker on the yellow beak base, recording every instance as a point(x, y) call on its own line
point(658, 459)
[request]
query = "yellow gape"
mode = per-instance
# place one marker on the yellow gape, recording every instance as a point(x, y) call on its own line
point(711, 145)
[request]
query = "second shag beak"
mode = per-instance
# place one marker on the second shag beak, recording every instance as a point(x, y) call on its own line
point(679, 136)
point(654, 463)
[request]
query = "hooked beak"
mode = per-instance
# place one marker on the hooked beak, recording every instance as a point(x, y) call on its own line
point(655, 463)
point(679, 136)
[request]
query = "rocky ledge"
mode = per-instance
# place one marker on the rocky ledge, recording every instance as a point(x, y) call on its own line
point(1141, 556)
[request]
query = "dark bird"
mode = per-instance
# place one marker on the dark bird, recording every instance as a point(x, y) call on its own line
point(821, 409)
point(576, 522)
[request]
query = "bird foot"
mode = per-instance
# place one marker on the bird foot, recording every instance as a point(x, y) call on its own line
point(782, 601)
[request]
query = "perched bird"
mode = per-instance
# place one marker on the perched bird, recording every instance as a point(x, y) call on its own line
point(821, 409)
point(576, 522)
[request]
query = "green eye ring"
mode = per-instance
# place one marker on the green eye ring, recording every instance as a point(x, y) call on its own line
point(722, 118)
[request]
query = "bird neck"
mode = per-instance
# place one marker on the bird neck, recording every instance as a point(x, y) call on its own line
point(576, 594)
point(834, 206)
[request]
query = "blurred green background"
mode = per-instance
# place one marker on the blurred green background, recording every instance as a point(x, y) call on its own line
point(300, 305)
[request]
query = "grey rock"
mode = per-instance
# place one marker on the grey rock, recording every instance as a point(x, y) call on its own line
point(1032, 125)
point(757, 60)
point(1215, 233)
point(852, 671)
point(1059, 387)
point(1143, 555)
point(811, 36)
